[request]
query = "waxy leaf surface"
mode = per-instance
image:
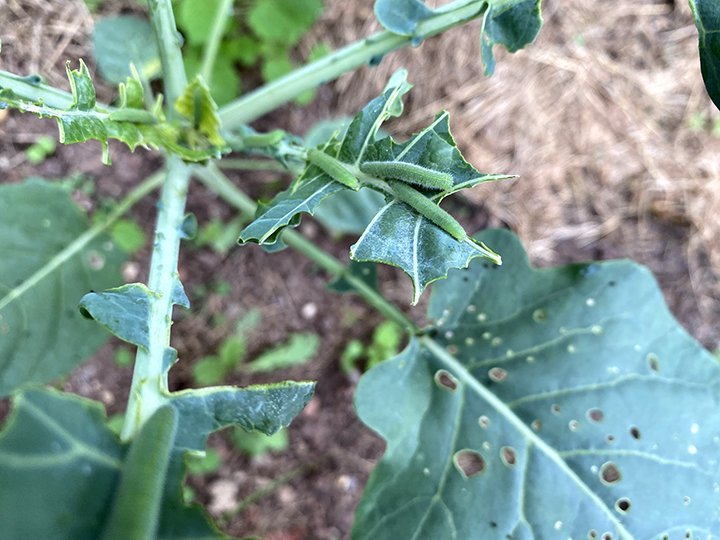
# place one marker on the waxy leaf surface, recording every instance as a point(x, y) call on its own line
point(60, 464)
point(42, 335)
point(397, 234)
point(559, 403)
point(121, 41)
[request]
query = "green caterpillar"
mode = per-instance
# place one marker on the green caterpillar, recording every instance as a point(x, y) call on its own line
point(427, 208)
point(136, 507)
point(136, 116)
point(409, 173)
point(335, 169)
point(260, 140)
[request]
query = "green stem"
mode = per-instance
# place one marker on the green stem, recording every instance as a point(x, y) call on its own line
point(216, 181)
point(77, 245)
point(149, 384)
point(26, 88)
point(269, 97)
point(168, 38)
point(223, 13)
point(251, 165)
point(149, 388)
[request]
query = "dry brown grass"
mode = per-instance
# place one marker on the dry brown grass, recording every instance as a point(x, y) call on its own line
point(593, 117)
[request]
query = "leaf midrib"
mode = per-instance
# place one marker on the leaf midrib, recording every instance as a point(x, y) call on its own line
point(530, 437)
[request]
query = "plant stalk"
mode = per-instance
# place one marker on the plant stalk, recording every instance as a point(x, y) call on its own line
point(216, 181)
point(149, 384)
point(223, 13)
point(149, 388)
point(77, 245)
point(169, 42)
point(371, 49)
point(27, 89)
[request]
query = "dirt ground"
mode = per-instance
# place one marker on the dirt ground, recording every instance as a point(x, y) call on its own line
point(604, 118)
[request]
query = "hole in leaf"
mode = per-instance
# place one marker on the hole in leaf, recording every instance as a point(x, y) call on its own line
point(497, 374)
point(688, 535)
point(687, 500)
point(555, 408)
point(452, 349)
point(536, 425)
point(539, 315)
point(653, 362)
point(484, 421)
point(609, 473)
point(635, 433)
point(610, 439)
point(595, 415)
point(607, 536)
point(622, 505)
point(592, 534)
point(446, 381)
point(573, 425)
point(558, 525)
point(469, 463)
point(508, 456)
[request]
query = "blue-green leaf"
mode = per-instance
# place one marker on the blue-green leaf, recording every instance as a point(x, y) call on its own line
point(124, 311)
point(416, 236)
point(138, 48)
point(511, 23)
point(60, 465)
point(401, 16)
point(42, 335)
point(707, 20)
point(560, 403)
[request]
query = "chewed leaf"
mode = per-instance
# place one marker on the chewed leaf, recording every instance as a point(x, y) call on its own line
point(549, 403)
point(425, 252)
point(125, 310)
point(84, 121)
point(512, 23)
point(265, 408)
point(57, 454)
point(707, 20)
point(281, 211)
point(409, 230)
point(198, 107)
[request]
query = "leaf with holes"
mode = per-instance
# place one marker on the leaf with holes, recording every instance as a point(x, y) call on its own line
point(57, 454)
point(707, 20)
point(547, 403)
point(42, 335)
point(410, 230)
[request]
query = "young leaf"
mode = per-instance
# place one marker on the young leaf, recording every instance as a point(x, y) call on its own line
point(550, 403)
point(197, 106)
point(707, 20)
point(512, 23)
point(83, 121)
point(121, 41)
point(283, 21)
point(42, 336)
point(256, 444)
point(298, 350)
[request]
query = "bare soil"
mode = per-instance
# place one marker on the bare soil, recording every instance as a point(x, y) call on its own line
point(594, 118)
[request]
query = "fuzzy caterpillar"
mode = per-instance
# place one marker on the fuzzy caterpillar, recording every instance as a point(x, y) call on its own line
point(428, 209)
point(409, 173)
point(334, 168)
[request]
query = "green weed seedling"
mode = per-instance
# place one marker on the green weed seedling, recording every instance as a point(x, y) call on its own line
point(554, 403)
